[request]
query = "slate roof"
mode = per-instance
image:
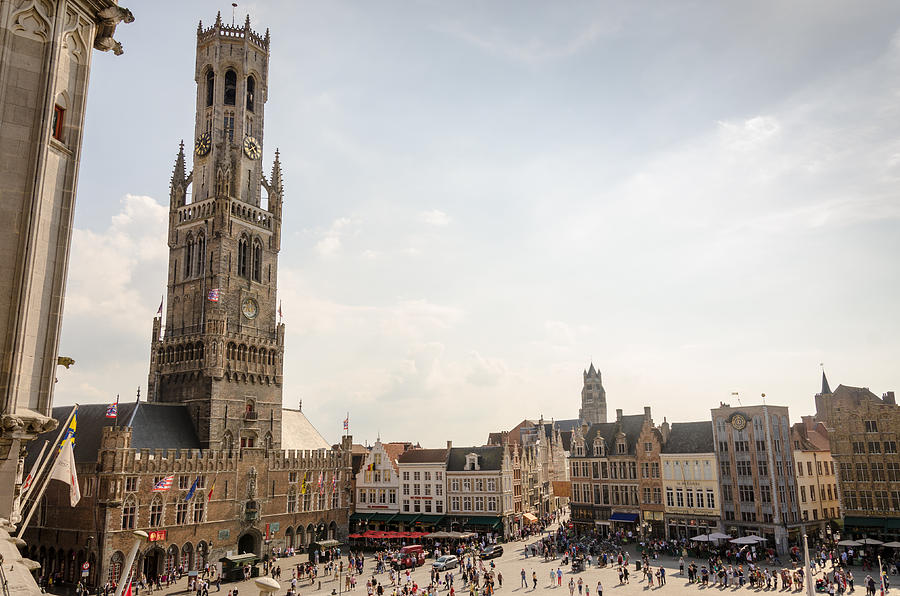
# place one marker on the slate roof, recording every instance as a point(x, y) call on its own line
point(297, 432)
point(424, 456)
point(490, 458)
point(566, 437)
point(562, 425)
point(154, 426)
point(690, 437)
point(630, 425)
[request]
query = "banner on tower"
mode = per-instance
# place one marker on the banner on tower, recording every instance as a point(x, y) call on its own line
point(213, 295)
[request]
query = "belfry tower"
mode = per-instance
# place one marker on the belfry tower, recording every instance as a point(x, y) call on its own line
point(593, 398)
point(221, 350)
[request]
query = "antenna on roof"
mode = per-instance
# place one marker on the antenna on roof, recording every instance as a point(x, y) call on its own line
point(737, 396)
point(233, 6)
point(139, 394)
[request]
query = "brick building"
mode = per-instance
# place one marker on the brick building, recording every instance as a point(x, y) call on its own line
point(259, 475)
point(864, 430)
point(815, 474)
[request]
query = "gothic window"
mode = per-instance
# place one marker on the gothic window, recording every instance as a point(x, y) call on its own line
point(58, 118)
point(129, 514)
point(197, 513)
point(263, 356)
point(267, 441)
point(242, 353)
point(229, 351)
point(169, 353)
point(156, 509)
point(198, 350)
point(257, 260)
point(181, 508)
point(292, 500)
point(227, 441)
point(243, 257)
point(230, 87)
point(228, 126)
point(210, 86)
point(201, 254)
point(251, 92)
point(189, 255)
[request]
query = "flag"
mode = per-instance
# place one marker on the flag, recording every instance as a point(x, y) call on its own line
point(113, 410)
point(127, 591)
point(64, 470)
point(164, 484)
point(213, 295)
point(303, 487)
point(26, 484)
point(69, 435)
point(209, 494)
point(321, 486)
point(190, 494)
point(333, 481)
point(347, 422)
point(279, 309)
point(159, 310)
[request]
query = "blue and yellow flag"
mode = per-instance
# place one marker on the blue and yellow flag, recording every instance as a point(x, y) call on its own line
point(69, 435)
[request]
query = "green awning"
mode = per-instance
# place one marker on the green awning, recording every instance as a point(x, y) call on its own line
point(893, 523)
point(481, 521)
point(864, 522)
point(406, 517)
point(429, 519)
point(371, 517)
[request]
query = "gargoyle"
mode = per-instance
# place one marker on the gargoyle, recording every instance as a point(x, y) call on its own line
point(109, 18)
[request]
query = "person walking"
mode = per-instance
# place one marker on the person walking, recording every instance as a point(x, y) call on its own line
point(599, 588)
point(534, 579)
point(524, 579)
point(571, 587)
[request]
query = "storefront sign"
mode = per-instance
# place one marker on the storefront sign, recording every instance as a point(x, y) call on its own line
point(275, 526)
point(156, 535)
point(224, 534)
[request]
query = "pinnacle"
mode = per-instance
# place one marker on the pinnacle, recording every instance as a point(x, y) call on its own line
point(247, 22)
point(219, 19)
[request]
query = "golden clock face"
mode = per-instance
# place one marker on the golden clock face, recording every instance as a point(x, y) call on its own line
point(203, 144)
point(252, 148)
point(738, 422)
point(249, 308)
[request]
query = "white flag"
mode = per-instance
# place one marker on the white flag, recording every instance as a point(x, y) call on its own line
point(64, 469)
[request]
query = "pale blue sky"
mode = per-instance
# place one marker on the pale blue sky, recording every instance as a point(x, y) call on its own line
point(702, 197)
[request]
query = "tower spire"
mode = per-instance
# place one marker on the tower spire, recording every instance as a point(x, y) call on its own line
point(825, 388)
point(178, 174)
point(276, 173)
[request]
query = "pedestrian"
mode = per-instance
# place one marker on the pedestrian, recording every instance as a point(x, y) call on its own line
point(571, 587)
point(599, 589)
point(558, 577)
point(524, 579)
point(534, 579)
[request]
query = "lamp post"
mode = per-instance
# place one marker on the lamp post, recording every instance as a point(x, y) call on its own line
point(139, 535)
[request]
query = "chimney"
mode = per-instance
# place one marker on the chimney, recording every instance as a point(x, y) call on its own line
point(647, 414)
point(889, 398)
point(665, 430)
point(449, 445)
point(618, 414)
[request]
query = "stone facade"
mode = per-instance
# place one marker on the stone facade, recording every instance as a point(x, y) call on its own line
point(593, 398)
point(864, 431)
point(45, 61)
point(756, 465)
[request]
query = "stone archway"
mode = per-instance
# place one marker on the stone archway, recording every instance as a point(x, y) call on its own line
point(153, 563)
point(332, 531)
point(249, 543)
point(289, 537)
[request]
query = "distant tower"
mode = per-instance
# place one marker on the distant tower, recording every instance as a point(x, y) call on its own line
point(593, 398)
point(221, 351)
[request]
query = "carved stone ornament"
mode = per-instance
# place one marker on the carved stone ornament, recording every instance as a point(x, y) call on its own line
point(109, 17)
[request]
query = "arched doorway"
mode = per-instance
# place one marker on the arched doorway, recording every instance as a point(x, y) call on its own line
point(153, 563)
point(187, 557)
point(248, 543)
point(172, 560)
point(332, 531)
point(289, 537)
point(301, 537)
point(310, 534)
point(202, 555)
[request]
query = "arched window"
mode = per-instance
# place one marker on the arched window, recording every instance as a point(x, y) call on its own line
point(230, 87)
point(243, 257)
point(129, 514)
point(263, 356)
point(198, 350)
point(210, 86)
point(156, 509)
point(201, 254)
point(267, 440)
point(292, 500)
point(189, 254)
point(251, 92)
point(257, 260)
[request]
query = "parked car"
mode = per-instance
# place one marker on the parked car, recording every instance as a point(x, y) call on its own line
point(445, 562)
point(409, 556)
point(491, 551)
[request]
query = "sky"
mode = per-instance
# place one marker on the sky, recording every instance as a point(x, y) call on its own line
point(701, 198)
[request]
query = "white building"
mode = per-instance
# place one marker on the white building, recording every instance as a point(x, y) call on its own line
point(377, 483)
point(423, 486)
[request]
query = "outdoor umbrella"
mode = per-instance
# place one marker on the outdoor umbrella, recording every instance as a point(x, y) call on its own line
point(849, 543)
point(871, 541)
point(755, 537)
point(892, 544)
point(719, 536)
point(744, 540)
point(701, 538)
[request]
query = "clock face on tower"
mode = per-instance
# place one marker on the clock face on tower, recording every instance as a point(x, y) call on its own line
point(203, 144)
point(251, 148)
point(249, 308)
point(739, 422)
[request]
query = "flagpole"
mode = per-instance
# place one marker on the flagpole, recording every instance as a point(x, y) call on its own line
point(24, 495)
point(46, 481)
point(138, 536)
point(117, 409)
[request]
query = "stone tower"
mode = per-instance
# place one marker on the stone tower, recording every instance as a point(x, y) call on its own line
point(593, 398)
point(221, 350)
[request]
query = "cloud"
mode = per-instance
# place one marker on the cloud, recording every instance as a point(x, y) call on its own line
point(486, 372)
point(435, 217)
point(330, 243)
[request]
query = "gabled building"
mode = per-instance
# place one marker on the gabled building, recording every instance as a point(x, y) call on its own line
point(423, 481)
point(377, 486)
point(479, 489)
point(690, 480)
point(817, 490)
point(864, 432)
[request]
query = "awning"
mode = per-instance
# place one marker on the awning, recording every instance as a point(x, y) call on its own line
point(864, 522)
point(429, 519)
point(530, 518)
point(406, 517)
point(624, 517)
point(371, 517)
point(481, 521)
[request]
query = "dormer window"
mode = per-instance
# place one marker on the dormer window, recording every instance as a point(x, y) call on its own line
point(472, 462)
point(598, 449)
point(620, 447)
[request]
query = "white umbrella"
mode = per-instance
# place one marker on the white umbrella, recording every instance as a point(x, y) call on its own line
point(701, 538)
point(744, 540)
point(849, 543)
point(871, 541)
point(756, 538)
point(892, 544)
point(719, 536)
